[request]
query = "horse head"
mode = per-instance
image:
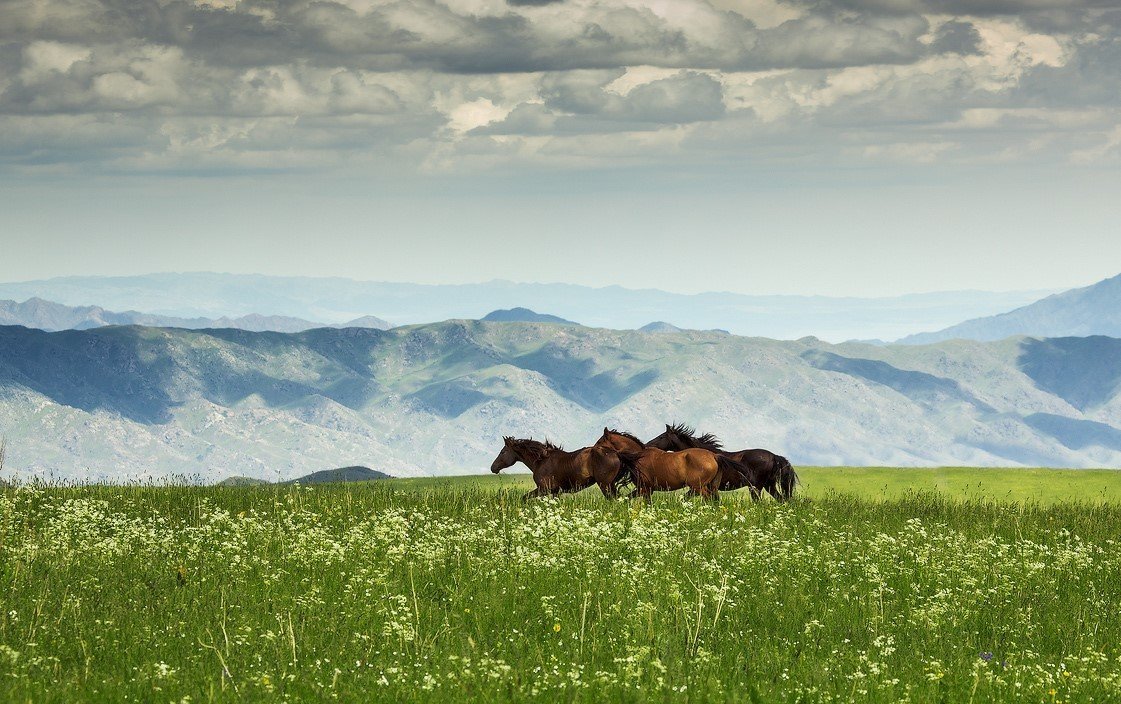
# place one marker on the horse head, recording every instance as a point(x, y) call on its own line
point(506, 458)
point(669, 441)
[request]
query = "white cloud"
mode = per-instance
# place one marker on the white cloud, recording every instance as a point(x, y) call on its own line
point(476, 113)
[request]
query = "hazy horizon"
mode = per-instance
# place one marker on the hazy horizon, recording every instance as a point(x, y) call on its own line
point(339, 300)
point(501, 280)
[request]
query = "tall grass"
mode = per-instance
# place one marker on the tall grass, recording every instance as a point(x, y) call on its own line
point(373, 593)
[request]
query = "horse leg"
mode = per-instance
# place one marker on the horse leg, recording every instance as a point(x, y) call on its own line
point(710, 491)
point(608, 489)
point(534, 494)
point(606, 483)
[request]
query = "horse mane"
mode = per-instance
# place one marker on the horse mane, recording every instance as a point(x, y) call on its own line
point(708, 441)
point(626, 435)
point(533, 447)
point(683, 430)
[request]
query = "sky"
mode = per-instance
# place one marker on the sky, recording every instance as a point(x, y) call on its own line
point(837, 147)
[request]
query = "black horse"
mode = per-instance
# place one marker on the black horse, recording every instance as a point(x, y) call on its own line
point(770, 472)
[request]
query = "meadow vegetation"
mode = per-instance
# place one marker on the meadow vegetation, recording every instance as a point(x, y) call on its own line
point(456, 589)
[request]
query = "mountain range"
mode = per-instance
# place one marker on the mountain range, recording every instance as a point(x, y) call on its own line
point(134, 402)
point(337, 300)
point(47, 315)
point(1092, 310)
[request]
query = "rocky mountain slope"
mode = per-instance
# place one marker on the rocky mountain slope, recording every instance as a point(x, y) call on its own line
point(129, 402)
point(1093, 310)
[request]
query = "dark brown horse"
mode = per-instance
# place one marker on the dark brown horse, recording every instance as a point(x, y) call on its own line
point(769, 471)
point(558, 472)
point(652, 469)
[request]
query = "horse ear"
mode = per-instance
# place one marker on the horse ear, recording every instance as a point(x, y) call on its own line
point(668, 427)
point(605, 430)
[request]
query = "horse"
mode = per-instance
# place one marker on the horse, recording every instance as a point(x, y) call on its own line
point(772, 472)
point(619, 441)
point(556, 471)
point(652, 469)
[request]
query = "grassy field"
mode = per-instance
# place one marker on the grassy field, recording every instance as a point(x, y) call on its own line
point(447, 590)
point(1045, 486)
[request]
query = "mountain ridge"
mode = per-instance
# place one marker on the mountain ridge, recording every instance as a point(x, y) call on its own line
point(334, 300)
point(47, 315)
point(1079, 312)
point(132, 401)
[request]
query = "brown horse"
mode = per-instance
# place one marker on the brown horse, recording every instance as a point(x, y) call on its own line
point(558, 472)
point(652, 469)
point(619, 441)
point(769, 471)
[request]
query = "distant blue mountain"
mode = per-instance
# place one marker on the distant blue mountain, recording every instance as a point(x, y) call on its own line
point(336, 300)
point(1093, 310)
point(47, 315)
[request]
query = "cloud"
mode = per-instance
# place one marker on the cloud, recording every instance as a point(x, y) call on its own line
point(138, 84)
point(956, 37)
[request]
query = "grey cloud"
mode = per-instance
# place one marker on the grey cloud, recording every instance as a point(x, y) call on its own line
point(957, 7)
point(385, 38)
point(818, 41)
point(149, 82)
point(687, 97)
point(525, 119)
point(956, 37)
point(684, 97)
point(582, 104)
point(1092, 77)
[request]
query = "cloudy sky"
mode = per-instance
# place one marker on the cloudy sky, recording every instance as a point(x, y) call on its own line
point(844, 147)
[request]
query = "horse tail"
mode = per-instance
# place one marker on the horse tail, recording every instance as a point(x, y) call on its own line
point(787, 477)
point(729, 466)
point(624, 474)
point(628, 474)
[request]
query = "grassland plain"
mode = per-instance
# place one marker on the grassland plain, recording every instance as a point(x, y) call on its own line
point(449, 590)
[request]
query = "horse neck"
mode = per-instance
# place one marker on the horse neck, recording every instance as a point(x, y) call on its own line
point(625, 444)
point(531, 459)
point(679, 443)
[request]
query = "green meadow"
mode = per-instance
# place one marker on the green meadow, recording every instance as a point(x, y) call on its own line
point(875, 585)
point(1045, 486)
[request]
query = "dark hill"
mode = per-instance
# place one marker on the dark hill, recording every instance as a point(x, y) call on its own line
point(660, 326)
point(342, 474)
point(241, 481)
point(524, 315)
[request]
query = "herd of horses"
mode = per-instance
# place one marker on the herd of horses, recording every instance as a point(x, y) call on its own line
point(676, 459)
